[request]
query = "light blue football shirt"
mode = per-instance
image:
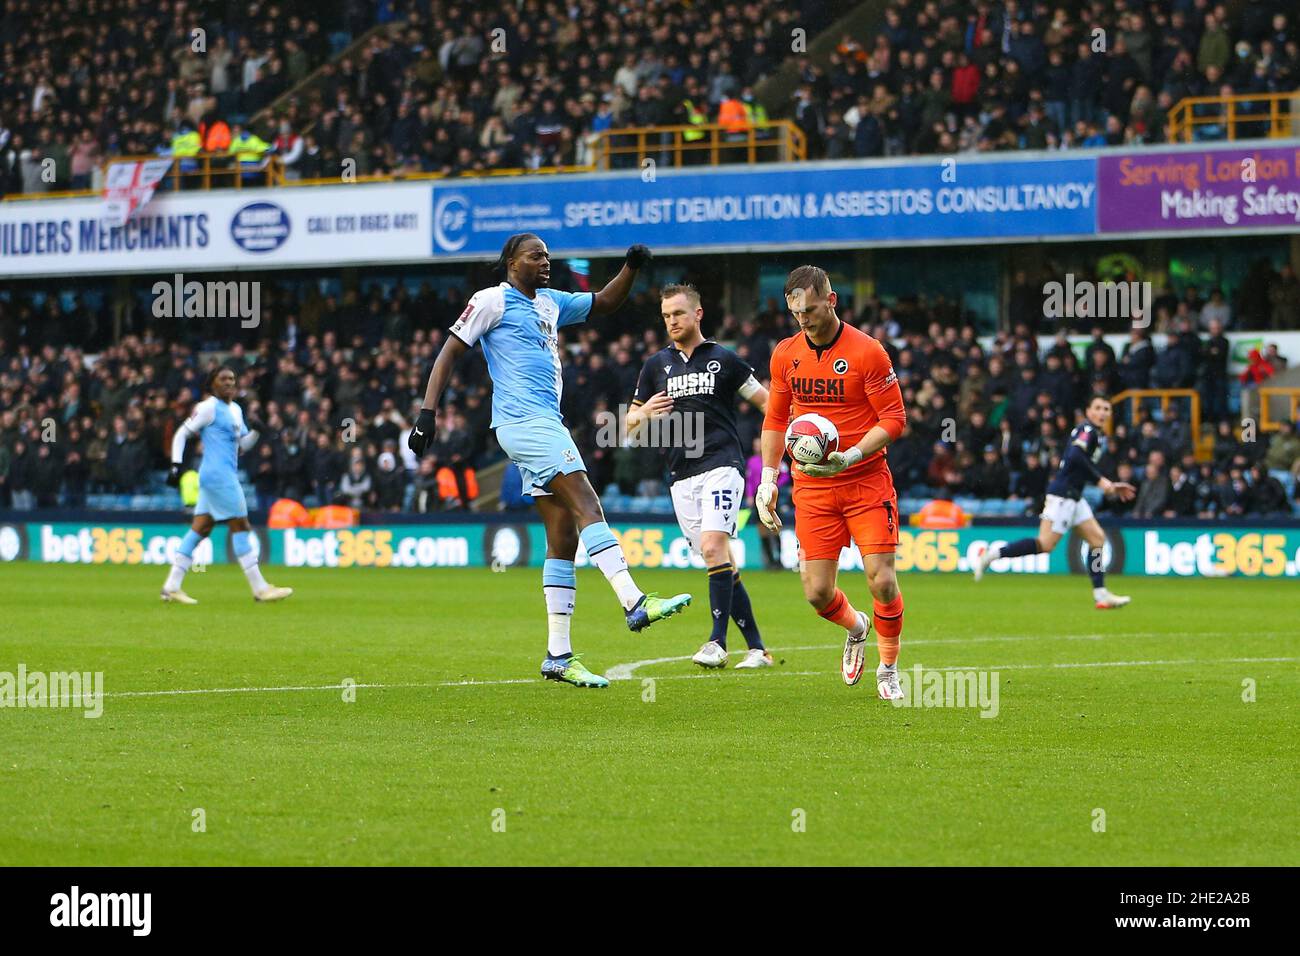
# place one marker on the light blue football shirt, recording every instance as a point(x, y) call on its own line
point(522, 347)
point(220, 425)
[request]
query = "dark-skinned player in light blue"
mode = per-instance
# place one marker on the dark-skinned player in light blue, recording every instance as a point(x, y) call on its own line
point(517, 323)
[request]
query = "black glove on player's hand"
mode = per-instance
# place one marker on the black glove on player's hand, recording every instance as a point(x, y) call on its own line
point(638, 256)
point(422, 434)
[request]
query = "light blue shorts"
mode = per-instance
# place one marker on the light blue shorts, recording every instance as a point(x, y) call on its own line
point(542, 448)
point(223, 502)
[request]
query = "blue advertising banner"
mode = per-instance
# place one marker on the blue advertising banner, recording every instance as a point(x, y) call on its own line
point(828, 204)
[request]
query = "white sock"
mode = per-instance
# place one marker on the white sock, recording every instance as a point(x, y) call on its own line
point(613, 565)
point(254, 574)
point(559, 615)
point(995, 553)
point(557, 638)
point(1098, 593)
point(886, 668)
point(180, 564)
point(860, 628)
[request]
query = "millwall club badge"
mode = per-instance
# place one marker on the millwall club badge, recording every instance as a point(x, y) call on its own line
point(841, 366)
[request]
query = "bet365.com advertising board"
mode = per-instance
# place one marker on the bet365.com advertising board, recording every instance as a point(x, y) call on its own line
point(1179, 551)
point(67, 542)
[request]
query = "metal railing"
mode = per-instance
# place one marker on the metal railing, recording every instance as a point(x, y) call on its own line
point(627, 148)
point(217, 171)
point(1242, 116)
point(704, 144)
point(1202, 445)
point(201, 172)
point(1266, 393)
point(709, 144)
point(399, 177)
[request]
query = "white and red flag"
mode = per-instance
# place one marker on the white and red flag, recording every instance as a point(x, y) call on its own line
point(128, 187)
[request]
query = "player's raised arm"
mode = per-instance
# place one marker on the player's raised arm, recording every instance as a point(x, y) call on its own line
point(618, 288)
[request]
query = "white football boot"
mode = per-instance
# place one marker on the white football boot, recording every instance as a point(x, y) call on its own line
point(177, 597)
point(1105, 600)
point(272, 593)
point(982, 564)
point(756, 657)
point(887, 683)
point(855, 652)
point(712, 654)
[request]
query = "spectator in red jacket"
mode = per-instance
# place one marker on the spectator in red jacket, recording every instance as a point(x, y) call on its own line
point(1258, 371)
point(965, 86)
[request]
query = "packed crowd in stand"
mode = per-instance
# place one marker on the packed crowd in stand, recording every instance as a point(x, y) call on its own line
point(1028, 74)
point(340, 380)
point(460, 88)
point(82, 81)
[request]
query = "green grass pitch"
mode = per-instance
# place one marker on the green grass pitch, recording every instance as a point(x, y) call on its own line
point(465, 756)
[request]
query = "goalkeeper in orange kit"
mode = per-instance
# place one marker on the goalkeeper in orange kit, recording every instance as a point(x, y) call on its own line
point(843, 374)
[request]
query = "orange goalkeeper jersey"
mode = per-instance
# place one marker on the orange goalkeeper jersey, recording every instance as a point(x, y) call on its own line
point(850, 381)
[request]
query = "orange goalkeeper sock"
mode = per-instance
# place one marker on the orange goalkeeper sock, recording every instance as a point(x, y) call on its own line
point(840, 612)
point(889, 627)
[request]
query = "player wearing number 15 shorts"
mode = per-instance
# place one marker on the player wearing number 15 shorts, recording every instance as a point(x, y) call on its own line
point(843, 374)
point(696, 380)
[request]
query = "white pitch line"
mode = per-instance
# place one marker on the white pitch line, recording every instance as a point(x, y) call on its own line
point(1009, 667)
point(308, 687)
point(625, 671)
point(696, 676)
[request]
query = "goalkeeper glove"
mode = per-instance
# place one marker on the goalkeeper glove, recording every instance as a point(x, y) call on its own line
point(765, 501)
point(835, 462)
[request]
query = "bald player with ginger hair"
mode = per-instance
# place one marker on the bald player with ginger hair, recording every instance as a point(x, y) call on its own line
point(843, 374)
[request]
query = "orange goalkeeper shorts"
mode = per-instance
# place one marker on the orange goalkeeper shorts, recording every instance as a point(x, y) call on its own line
point(827, 520)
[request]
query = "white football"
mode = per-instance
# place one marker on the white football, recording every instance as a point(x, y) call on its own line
point(810, 438)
